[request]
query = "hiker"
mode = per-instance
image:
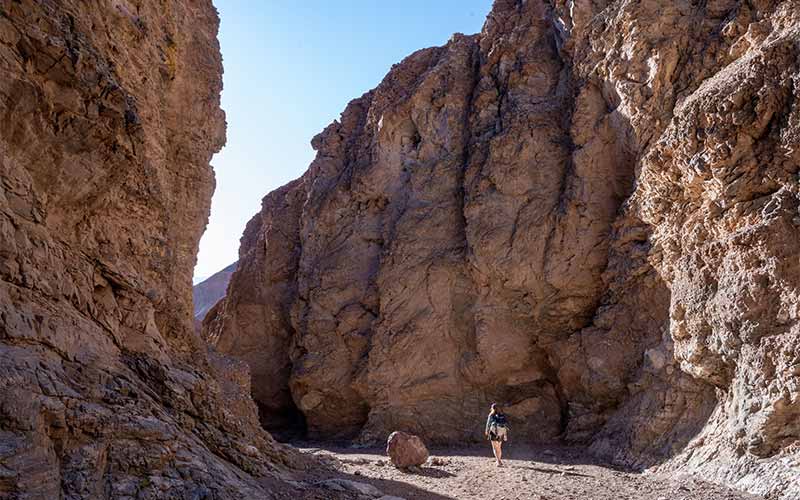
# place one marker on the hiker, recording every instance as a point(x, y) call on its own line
point(497, 431)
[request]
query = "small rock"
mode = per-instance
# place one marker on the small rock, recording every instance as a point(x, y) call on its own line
point(297, 484)
point(251, 451)
point(352, 486)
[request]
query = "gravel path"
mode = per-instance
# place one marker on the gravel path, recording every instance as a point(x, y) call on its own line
point(554, 473)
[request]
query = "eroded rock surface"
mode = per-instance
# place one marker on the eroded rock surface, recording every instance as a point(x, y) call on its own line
point(406, 450)
point(110, 115)
point(588, 212)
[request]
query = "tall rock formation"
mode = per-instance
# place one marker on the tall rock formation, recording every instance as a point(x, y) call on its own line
point(587, 212)
point(110, 115)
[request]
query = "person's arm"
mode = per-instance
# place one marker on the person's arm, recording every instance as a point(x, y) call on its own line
point(488, 424)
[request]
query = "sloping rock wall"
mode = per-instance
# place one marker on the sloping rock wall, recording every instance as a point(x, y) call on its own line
point(110, 115)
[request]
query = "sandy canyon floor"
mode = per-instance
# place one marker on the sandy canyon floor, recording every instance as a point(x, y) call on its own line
point(552, 473)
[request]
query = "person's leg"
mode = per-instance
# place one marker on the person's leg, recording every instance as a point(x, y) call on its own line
point(499, 453)
point(494, 450)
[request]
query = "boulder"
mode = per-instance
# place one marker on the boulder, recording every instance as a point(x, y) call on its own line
point(406, 450)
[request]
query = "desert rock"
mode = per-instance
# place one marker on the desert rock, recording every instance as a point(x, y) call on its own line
point(344, 485)
point(406, 450)
point(110, 117)
point(588, 212)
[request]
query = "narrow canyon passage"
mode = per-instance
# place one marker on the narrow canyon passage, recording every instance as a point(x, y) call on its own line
point(588, 212)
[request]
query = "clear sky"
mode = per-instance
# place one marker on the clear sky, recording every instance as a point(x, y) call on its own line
point(290, 69)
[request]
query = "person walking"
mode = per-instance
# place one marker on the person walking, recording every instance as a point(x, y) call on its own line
point(497, 432)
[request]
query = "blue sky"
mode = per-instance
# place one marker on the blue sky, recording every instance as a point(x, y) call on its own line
point(290, 69)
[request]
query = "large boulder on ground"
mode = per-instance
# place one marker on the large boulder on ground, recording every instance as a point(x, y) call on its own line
point(406, 450)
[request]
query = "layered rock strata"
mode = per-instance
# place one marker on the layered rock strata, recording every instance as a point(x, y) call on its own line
point(587, 212)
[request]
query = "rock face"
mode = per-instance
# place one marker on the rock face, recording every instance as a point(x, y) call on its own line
point(110, 117)
point(406, 450)
point(209, 291)
point(588, 212)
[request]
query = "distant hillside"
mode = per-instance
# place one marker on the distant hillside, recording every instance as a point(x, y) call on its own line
point(209, 291)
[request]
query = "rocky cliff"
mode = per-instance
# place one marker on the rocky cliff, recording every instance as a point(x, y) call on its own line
point(587, 212)
point(110, 115)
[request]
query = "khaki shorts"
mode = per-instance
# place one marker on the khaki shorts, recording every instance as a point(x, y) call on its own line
point(498, 433)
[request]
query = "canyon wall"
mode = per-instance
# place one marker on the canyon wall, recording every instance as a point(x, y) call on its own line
point(588, 212)
point(110, 115)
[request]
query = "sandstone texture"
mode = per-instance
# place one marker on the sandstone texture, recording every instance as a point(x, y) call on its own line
point(208, 292)
point(406, 450)
point(588, 212)
point(110, 115)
